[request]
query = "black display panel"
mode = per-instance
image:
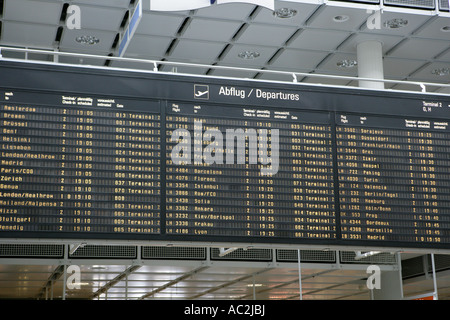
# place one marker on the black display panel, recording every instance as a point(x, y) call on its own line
point(79, 164)
point(226, 198)
point(103, 154)
point(394, 178)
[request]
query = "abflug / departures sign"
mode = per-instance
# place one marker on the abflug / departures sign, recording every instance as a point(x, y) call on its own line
point(130, 156)
point(222, 92)
point(258, 94)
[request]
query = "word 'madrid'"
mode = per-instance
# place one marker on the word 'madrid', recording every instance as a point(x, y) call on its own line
point(257, 140)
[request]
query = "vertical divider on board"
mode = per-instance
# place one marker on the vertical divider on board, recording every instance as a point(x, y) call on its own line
point(163, 159)
point(335, 176)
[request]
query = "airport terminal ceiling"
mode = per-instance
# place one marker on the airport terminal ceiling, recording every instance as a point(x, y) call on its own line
point(309, 38)
point(317, 37)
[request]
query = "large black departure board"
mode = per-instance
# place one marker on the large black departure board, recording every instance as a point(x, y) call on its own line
point(106, 154)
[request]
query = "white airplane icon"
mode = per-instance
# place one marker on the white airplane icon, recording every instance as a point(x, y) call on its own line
point(200, 93)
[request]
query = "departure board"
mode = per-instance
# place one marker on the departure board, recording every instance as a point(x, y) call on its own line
point(118, 155)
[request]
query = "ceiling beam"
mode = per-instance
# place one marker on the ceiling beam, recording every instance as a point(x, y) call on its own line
point(56, 274)
point(113, 282)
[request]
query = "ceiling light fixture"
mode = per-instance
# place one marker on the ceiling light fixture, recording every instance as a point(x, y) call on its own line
point(255, 285)
point(95, 267)
point(347, 63)
point(76, 284)
point(341, 18)
point(395, 23)
point(441, 72)
point(248, 55)
point(284, 13)
point(445, 29)
point(89, 40)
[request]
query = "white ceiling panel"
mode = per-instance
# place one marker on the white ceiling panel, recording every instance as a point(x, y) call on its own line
point(146, 47)
point(438, 28)
point(159, 24)
point(197, 51)
point(105, 3)
point(427, 73)
point(69, 43)
point(33, 11)
point(33, 35)
point(235, 11)
point(325, 18)
point(318, 39)
point(231, 57)
point(445, 56)
point(99, 18)
point(396, 68)
point(330, 65)
point(303, 12)
point(419, 49)
point(299, 59)
point(264, 34)
point(211, 30)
